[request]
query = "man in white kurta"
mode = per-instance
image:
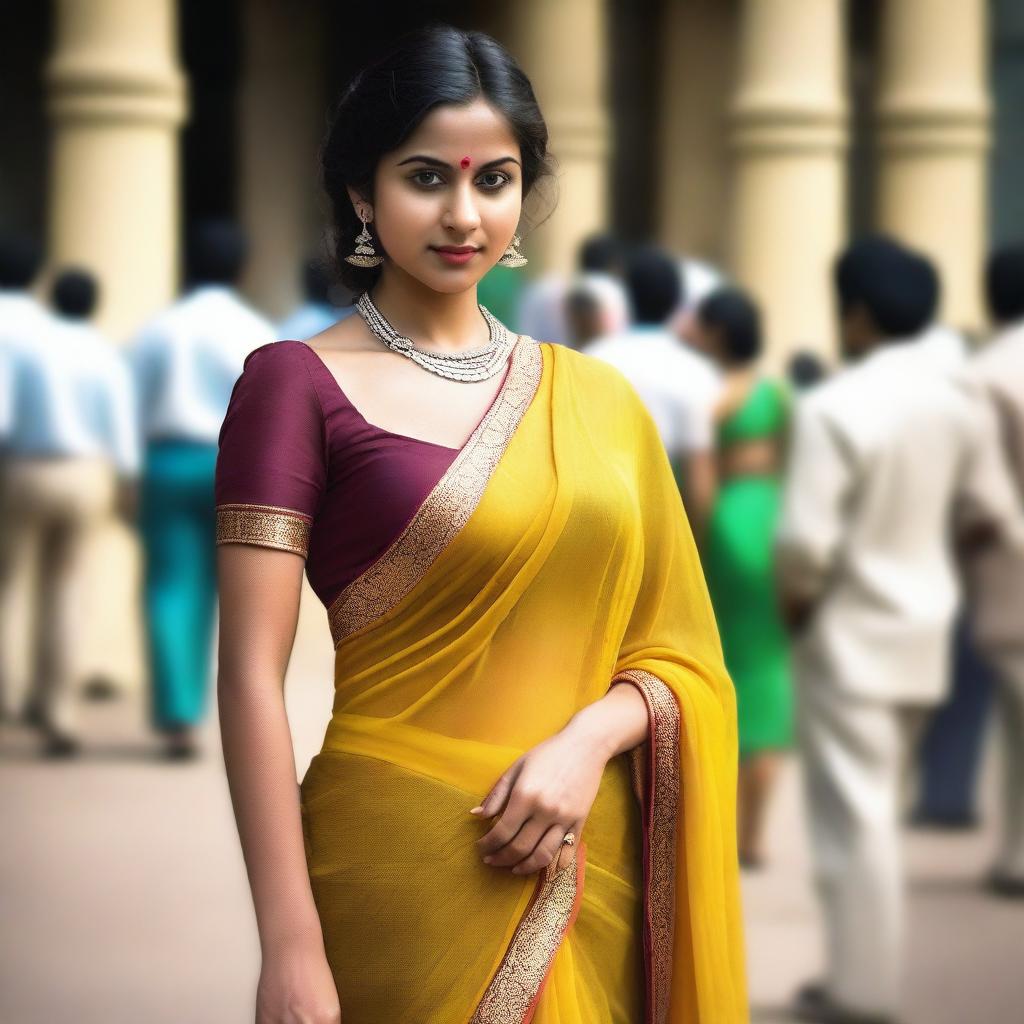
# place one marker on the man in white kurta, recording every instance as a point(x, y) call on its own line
point(882, 453)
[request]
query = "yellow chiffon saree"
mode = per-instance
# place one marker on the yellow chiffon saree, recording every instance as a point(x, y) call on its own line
point(551, 561)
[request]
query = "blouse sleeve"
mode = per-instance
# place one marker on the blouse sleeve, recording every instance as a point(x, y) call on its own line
point(271, 462)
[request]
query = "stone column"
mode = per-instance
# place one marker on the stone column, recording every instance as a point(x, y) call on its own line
point(116, 101)
point(561, 46)
point(282, 118)
point(696, 51)
point(789, 136)
point(933, 116)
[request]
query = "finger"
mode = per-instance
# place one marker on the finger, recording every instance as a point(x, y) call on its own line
point(516, 813)
point(520, 846)
point(546, 851)
point(495, 800)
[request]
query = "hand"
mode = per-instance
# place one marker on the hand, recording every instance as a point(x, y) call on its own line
point(296, 987)
point(544, 794)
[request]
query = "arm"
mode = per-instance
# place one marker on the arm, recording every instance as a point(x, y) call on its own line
point(987, 509)
point(700, 485)
point(259, 603)
point(811, 524)
point(270, 476)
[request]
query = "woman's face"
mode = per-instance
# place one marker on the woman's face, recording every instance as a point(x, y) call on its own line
point(455, 182)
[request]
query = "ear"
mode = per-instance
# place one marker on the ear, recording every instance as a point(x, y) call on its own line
point(358, 201)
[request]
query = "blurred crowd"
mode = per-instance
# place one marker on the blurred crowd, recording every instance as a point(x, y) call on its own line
point(91, 429)
point(861, 525)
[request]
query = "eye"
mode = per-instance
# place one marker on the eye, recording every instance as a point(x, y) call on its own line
point(420, 174)
point(503, 180)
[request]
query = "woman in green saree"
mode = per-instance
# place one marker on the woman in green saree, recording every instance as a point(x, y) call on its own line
point(523, 806)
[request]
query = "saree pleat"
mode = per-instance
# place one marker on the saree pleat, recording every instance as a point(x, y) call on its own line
point(571, 569)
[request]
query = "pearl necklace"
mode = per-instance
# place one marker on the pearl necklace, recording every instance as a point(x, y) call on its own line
point(470, 365)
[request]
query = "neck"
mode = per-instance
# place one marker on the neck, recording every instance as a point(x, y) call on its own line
point(447, 322)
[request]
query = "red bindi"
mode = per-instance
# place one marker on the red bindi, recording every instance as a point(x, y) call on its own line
point(464, 162)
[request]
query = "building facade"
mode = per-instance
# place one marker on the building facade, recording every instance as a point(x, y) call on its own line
point(757, 134)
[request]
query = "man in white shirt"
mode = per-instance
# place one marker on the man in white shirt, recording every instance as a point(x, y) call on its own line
point(72, 458)
point(882, 455)
point(186, 361)
point(996, 575)
point(678, 385)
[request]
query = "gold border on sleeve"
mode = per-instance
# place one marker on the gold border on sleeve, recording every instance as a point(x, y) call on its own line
point(267, 526)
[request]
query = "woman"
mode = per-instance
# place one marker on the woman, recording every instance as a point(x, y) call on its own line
point(752, 417)
point(493, 528)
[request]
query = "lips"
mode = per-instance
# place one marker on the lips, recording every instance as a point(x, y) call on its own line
point(455, 248)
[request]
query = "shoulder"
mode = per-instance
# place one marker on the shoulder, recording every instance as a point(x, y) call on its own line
point(277, 373)
point(274, 357)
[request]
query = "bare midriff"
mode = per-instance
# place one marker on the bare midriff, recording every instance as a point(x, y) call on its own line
point(749, 458)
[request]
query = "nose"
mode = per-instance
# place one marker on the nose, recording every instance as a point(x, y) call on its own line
point(462, 215)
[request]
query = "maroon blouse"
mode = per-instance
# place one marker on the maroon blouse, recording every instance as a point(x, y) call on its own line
point(299, 468)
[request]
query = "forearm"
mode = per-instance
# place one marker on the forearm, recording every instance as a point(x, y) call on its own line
point(260, 764)
point(614, 724)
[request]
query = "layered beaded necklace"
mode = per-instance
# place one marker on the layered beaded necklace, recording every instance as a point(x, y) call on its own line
point(470, 365)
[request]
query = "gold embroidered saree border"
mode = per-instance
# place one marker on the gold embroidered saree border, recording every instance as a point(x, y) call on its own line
point(514, 991)
point(268, 526)
point(446, 510)
point(654, 767)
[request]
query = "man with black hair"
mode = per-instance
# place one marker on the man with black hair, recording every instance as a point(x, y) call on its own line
point(882, 454)
point(186, 361)
point(72, 423)
point(996, 575)
point(678, 385)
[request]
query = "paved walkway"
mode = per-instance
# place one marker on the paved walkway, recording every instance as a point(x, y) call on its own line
point(124, 897)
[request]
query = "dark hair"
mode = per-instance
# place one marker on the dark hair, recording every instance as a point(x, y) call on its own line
point(733, 312)
point(898, 287)
point(216, 252)
point(75, 293)
point(20, 260)
point(1004, 284)
point(654, 284)
point(602, 253)
point(384, 104)
point(805, 368)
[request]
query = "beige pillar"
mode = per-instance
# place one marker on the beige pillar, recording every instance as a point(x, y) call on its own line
point(560, 44)
point(116, 100)
point(933, 115)
point(789, 135)
point(697, 43)
point(282, 117)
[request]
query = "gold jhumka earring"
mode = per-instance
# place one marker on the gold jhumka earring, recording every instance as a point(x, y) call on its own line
point(365, 255)
point(512, 257)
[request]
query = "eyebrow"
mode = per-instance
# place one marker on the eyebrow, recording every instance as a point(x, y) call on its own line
point(434, 162)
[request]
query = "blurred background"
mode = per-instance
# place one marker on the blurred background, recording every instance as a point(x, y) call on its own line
point(750, 140)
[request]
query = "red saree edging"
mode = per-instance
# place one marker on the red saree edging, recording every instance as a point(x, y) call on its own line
point(654, 768)
point(514, 992)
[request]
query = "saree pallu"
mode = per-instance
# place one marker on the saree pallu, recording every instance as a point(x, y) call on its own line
point(551, 561)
